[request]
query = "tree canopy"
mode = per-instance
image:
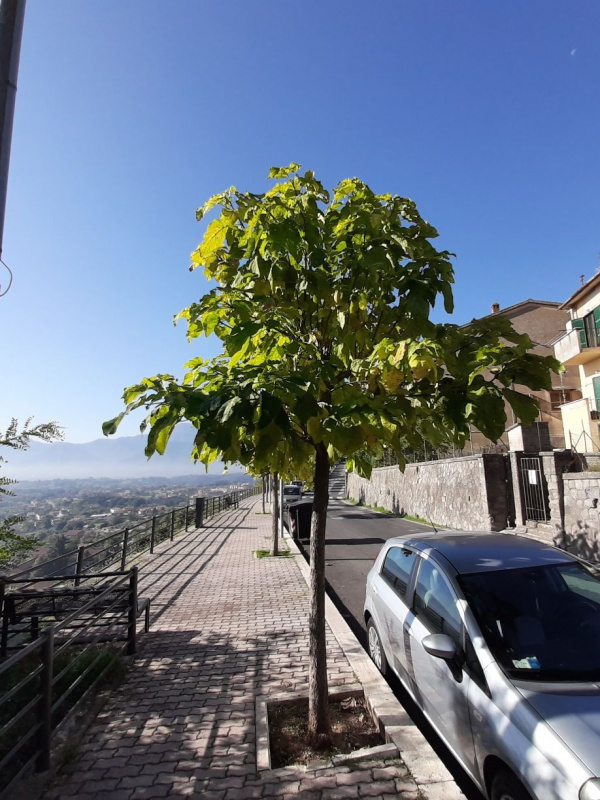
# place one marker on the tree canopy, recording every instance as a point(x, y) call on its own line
point(322, 304)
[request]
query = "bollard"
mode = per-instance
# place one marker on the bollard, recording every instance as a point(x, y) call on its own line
point(124, 550)
point(79, 567)
point(132, 613)
point(199, 512)
point(153, 535)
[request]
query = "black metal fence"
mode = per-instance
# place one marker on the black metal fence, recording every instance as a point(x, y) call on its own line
point(428, 453)
point(121, 546)
point(42, 683)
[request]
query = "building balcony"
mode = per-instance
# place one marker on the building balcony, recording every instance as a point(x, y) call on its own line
point(569, 350)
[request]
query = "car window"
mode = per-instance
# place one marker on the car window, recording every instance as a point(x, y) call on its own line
point(397, 567)
point(582, 583)
point(541, 623)
point(435, 601)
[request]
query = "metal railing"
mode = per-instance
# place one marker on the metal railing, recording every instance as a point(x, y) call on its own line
point(43, 682)
point(121, 546)
point(428, 453)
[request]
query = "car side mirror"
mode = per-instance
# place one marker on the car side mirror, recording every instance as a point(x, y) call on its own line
point(440, 645)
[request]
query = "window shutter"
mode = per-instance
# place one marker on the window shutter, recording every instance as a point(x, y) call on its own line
point(596, 382)
point(596, 313)
point(578, 326)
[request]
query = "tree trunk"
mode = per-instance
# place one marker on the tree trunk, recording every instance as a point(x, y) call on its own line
point(276, 514)
point(319, 726)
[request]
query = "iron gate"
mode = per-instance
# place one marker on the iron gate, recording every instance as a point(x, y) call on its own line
point(535, 504)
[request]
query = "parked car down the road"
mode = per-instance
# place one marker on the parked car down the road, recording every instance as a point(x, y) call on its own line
point(291, 493)
point(496, 637)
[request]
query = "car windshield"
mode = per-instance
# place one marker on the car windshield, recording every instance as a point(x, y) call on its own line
point(291, 490)
point(541, 623)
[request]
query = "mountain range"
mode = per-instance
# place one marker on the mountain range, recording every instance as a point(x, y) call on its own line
point(121, 457)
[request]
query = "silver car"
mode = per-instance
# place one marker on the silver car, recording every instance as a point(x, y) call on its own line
point(497, 639)
point(291, 493)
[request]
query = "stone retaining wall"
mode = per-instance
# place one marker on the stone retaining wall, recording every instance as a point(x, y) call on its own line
point(582, 514)
point(468, 493)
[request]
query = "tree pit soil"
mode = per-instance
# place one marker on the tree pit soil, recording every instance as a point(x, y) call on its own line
point(352, 728)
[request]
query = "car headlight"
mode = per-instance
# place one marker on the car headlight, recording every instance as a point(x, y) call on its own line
point(590, 790)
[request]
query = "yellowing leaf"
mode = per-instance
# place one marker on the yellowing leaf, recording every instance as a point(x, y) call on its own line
point(421, 365)
point(400, 352)
point(392, 379)
point(314, 429)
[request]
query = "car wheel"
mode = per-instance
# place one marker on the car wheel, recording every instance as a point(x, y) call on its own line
point(376, 648)
point(506, 786)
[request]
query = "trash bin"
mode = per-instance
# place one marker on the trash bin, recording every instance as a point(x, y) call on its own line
point(300, 514)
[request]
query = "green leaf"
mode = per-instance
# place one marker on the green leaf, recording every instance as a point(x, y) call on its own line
point(524, 406)
point(283, 172)
point(227, 409)
point(110, 426)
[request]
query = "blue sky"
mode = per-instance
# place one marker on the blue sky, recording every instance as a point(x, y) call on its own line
point(131, 114)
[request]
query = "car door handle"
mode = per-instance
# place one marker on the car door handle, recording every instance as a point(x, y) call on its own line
point(375, 590)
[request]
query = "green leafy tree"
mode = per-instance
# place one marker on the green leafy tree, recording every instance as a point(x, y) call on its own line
point(322, 303)
point(13, 547)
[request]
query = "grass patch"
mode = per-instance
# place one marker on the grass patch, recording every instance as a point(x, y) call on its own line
point(269, 554)
point(413, 518)
point(379, 509)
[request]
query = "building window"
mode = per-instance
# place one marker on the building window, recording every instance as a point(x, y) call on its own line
point(588, 328)
point(559, 397)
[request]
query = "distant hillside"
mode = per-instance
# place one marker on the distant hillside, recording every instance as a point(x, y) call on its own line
point(121, 457)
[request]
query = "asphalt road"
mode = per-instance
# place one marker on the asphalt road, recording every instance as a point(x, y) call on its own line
point(354, 538)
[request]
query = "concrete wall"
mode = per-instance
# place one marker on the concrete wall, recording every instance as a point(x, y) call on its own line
point(467, 493)
point(582, 514)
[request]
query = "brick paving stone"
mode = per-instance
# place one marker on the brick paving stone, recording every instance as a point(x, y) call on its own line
point(95, 787)
point(341, 793)
point(319, 783)
point(385, 773)
point(247, 793)
point(150, 792)
point(405, 786)
point(376, 789)
point(115, 794)
point(137, 780)
point(350, 778)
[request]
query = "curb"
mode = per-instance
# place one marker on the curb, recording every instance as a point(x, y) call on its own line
point(430, 775)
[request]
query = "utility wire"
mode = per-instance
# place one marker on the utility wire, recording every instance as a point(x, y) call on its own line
point(2, 293)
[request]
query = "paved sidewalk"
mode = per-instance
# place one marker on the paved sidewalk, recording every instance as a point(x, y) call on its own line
point(225, 628)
